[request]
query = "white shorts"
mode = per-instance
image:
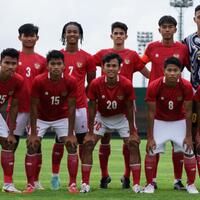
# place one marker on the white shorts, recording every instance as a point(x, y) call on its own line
point(116, 123)
point(22, 123)
point(81, 122)
point(165, 131)
point(4, 130)
point(59, 126)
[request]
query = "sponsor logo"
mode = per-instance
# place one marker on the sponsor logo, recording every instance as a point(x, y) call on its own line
point(64, 94)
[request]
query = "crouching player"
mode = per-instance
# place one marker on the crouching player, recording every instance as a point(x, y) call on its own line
point(10, 85)
point(169, 101)
point(112, 95)
point(51, 93)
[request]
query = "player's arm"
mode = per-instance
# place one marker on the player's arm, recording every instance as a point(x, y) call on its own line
point(150, 124)
point(188, 117)
point(145, 72)
point(71, 115)
point(91, 115)
point(197, 139)
point(90, 77)
point(12, 122)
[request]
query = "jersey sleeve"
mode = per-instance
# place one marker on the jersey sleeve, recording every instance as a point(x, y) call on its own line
point(35, 90)
point(92, 90)
point(97, 58)
point(91, 67)
point(138, 63)
point(145, 58)
point(151, 92)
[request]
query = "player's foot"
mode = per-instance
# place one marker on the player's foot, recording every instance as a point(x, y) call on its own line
point(137, 189)
point(55, 183)
point(125, 182)
point(73, 189)
point(179, 185)
point(191, 189)
point(85, 188)
point(29, 189)
point(10, 188)
point(38, 185)
point(104, 182)
point(155, 185)
point(149, 188)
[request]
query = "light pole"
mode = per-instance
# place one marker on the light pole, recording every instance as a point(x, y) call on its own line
point(143, 38)
point(181, 4)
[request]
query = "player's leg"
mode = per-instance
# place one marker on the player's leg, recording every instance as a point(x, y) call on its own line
point(31, 161)
point(160, 137)
point(104, 153)
point(189, 157)
point(7, 158)
point(57, 154)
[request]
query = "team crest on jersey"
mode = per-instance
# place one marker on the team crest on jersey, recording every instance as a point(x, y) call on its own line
point(156, 55)
point(10, 93)
point(180, 98)
point(103, 97)
point(79, 64)
point(64, 94)
point(19, 63)
point(37, 65)
point(127, 61)
point(176, 55)
point(162, 98)
point(120, 97)
point(46, 93)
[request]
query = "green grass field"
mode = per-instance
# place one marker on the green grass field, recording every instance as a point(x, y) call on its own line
point(164, 180)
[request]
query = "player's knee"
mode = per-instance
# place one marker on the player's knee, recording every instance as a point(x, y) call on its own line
point(89, 146)
point(71, 149)
point(5, 145)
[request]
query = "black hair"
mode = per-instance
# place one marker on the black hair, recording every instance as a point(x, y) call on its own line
point(111, 56)
point(64, 30)
point(28, 29)
point(119, 25)
point(197, 9)
point(173, 60)
point(54, 54)
point(13, 53)
point(167, 19)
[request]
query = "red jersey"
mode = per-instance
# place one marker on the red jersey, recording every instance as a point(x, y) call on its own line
point(30, 65)
point(53, 96)
point(169, 100)
point(78, 65)
point(131, 61)
point(10, 88)
point(111, 100)
point(157, 53)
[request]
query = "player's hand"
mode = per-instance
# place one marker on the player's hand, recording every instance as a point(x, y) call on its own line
point(11, 139)
point(134, 137)
point(72, 140)
point(187, 144)
point(151, 145)
point(33, 141)
point(89, 138)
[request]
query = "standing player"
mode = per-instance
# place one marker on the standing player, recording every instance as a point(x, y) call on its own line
point(10, 85)
point(80, 65)
point(193, 43)
point(156, 53)
point(30, 65)
point(131, 63)
point(50, 94)
point(112, 95)
point(169, 101)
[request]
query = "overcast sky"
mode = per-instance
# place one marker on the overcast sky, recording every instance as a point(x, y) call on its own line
point(94, 16)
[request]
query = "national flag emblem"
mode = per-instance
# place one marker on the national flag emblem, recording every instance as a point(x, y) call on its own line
point(79, 64)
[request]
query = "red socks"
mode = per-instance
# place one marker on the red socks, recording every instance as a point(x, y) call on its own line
point(104, 153)
point(38, 166)
point(190, 168)
point(198, 163)
point(7, 163)
point(86, 169)
point(136, 171)
point(126, 154)
point(177, 159)
point(72, 164)
point(150, 164)
point(57, 154)
point(30, 166)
